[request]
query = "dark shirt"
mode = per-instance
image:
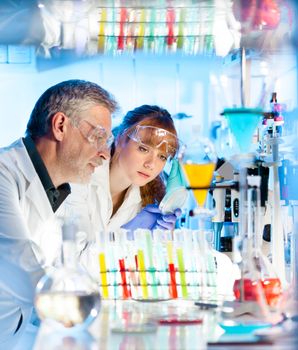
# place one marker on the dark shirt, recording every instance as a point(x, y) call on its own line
point(55, 195)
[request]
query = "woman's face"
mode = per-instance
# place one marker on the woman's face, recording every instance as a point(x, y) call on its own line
point(141, 163)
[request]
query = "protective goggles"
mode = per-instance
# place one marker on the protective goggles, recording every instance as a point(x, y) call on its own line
point(152, 136)
point(95, 135)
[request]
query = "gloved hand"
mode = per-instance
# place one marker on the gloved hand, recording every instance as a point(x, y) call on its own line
point(146, 218)
point(151, 218)
point(167, 221)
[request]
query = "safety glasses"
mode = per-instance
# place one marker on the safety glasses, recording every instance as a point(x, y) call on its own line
point(152, 136)
point(95, 135)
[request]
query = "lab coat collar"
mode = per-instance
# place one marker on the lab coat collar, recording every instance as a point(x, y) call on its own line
point(23, 160)
point(132, 197)
point(35, 191)
point(101, 178)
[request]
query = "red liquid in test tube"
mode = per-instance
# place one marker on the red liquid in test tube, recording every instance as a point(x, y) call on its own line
point(173, 284)
point(126, 291)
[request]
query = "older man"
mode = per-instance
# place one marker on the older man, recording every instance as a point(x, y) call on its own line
point(67, 136)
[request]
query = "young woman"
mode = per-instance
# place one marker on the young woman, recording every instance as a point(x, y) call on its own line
point(144, 141)
point(125, 192)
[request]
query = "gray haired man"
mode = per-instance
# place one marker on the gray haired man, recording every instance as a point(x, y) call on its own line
point(67, 137)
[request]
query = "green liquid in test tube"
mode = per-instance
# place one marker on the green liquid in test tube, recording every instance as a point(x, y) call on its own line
point(151, 29)
point(181, 268)
point(181, 25)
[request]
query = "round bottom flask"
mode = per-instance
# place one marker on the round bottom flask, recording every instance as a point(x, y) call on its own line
point(68, 296)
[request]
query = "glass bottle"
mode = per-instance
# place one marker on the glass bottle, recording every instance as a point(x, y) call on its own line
point(67, 295)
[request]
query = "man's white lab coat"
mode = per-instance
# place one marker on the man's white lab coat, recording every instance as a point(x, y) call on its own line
point(30, 239)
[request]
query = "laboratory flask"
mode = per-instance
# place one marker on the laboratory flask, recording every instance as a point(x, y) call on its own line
point(67, 295)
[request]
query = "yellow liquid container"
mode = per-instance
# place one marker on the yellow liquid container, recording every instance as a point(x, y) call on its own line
point(199, 175)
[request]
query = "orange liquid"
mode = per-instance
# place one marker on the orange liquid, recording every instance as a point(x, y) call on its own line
point(199, 175)
point(271, 287)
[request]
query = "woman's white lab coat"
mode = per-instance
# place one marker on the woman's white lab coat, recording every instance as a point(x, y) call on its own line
point(29, 237)
point(93, 206)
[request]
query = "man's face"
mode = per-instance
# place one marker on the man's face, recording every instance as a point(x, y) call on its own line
point(82, 154)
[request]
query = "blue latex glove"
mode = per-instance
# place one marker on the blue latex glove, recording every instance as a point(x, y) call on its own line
point(167, 221)
point(146, 218)
point(151, 218)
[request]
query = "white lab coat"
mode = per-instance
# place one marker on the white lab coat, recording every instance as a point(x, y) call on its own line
point(92, 204)
point(30, 239)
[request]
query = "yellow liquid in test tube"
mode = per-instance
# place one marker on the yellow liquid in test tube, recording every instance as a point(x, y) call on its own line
point(103, 272)
point(142, 270)
point(199, 175)
point(101, 36)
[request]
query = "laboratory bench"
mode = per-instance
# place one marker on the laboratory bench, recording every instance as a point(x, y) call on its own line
point(136, 325)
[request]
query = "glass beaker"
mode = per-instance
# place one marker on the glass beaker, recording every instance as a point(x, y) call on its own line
point(198, 161)
point(67, 295)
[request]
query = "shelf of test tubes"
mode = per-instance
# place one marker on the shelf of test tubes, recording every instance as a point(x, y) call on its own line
point(157, 265)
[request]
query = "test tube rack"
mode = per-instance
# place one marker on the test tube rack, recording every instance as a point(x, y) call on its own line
point(157, 265)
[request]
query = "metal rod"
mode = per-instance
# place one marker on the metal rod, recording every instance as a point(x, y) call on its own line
point(243, 76)
point(235, 186)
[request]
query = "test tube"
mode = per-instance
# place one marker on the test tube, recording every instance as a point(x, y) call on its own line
point(112, 266)
point(179, 242)
point(151, 268)
point(161, 261)
point(190, 262)
point(101, 34)
point(120, 239)
point(200, 263)
point(141, 33)
point(142, 271)
point(103, 274)
point(102, 265)
point(172, 269)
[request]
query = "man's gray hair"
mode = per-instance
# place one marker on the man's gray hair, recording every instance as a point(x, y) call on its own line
point(71, 97)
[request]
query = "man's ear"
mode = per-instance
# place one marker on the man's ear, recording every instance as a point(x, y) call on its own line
point(60, 123)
